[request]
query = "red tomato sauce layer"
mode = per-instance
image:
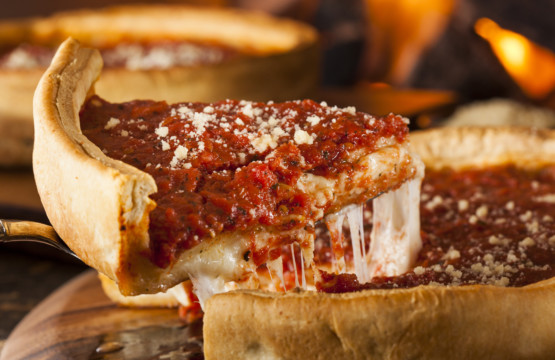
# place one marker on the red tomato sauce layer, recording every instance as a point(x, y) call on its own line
point(231, 165)
point(493, 226)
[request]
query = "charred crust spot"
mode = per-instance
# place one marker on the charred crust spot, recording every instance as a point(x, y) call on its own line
point(246, 255)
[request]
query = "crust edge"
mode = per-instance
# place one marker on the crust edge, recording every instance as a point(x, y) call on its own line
point(425, 322)
point(108, 224)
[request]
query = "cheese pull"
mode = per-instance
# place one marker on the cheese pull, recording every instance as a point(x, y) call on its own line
point(395, 238)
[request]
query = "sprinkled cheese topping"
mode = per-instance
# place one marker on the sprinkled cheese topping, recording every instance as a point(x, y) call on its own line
point(254, 130)
point(165, 145)
point(261, 143)
point(162, 131)
point(112, 123)
point(495, 234)
point(313, 120)
point(303, 137)
point(548, 198)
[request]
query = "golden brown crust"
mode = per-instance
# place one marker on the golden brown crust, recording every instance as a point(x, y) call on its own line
point(482, 146)
point(472, 322)
point(254, 32)
point(427, 322)
point(110, 203)
point(281, 54)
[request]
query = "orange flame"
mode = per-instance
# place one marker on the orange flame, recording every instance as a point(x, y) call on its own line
point(531, 66)
point(400, 31)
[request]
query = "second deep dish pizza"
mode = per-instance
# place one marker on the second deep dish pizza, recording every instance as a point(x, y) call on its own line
point(159, 52)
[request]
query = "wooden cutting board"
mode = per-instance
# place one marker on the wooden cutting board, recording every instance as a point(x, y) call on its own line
point(79, 322)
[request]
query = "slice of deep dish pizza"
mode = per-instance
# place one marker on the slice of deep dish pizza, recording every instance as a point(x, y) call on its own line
point(152, 194)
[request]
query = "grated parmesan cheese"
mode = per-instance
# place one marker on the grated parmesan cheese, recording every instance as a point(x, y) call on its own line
point(482, 211)
point(162, 131)
point(548, 198)
point(180, 152)
point(263, 142)
point(462, 205)
point(112, 123)
point(526, 242)
point(419, 270)
point(302, 137)
point(313, 120)
point(350, 110)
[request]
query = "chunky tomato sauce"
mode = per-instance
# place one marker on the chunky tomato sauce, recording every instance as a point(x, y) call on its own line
point(231, 165)
point(494, 226)
point(130, 55)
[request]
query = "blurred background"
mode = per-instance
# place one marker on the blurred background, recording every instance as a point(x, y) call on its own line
point(477, 49)
point(438, 62)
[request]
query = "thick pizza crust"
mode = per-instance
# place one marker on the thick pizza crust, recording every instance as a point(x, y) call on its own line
point(426, 322)
point(472, 322)
point(281, 54)
point(483, 146)
point(65, 162)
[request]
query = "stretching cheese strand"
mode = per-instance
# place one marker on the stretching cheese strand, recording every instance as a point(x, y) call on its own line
point(395, 239)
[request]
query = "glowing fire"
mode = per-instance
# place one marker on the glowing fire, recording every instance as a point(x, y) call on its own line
point(400, 31)
point(530, 65)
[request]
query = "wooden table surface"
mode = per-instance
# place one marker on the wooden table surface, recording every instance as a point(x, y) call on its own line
point(27, 278)
point(78, 322)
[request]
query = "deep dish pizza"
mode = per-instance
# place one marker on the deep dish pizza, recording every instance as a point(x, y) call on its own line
point(260, 177)
point(160, 52)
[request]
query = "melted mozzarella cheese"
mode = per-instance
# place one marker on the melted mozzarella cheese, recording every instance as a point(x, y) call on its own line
point(292, 246)
point(180, 295)
point(395, 239)
point(213, 263)
point(356, 227)
point(276, 267)
point(303, 274)
point(219, 265)
point(334, 222)
point(395, 243)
